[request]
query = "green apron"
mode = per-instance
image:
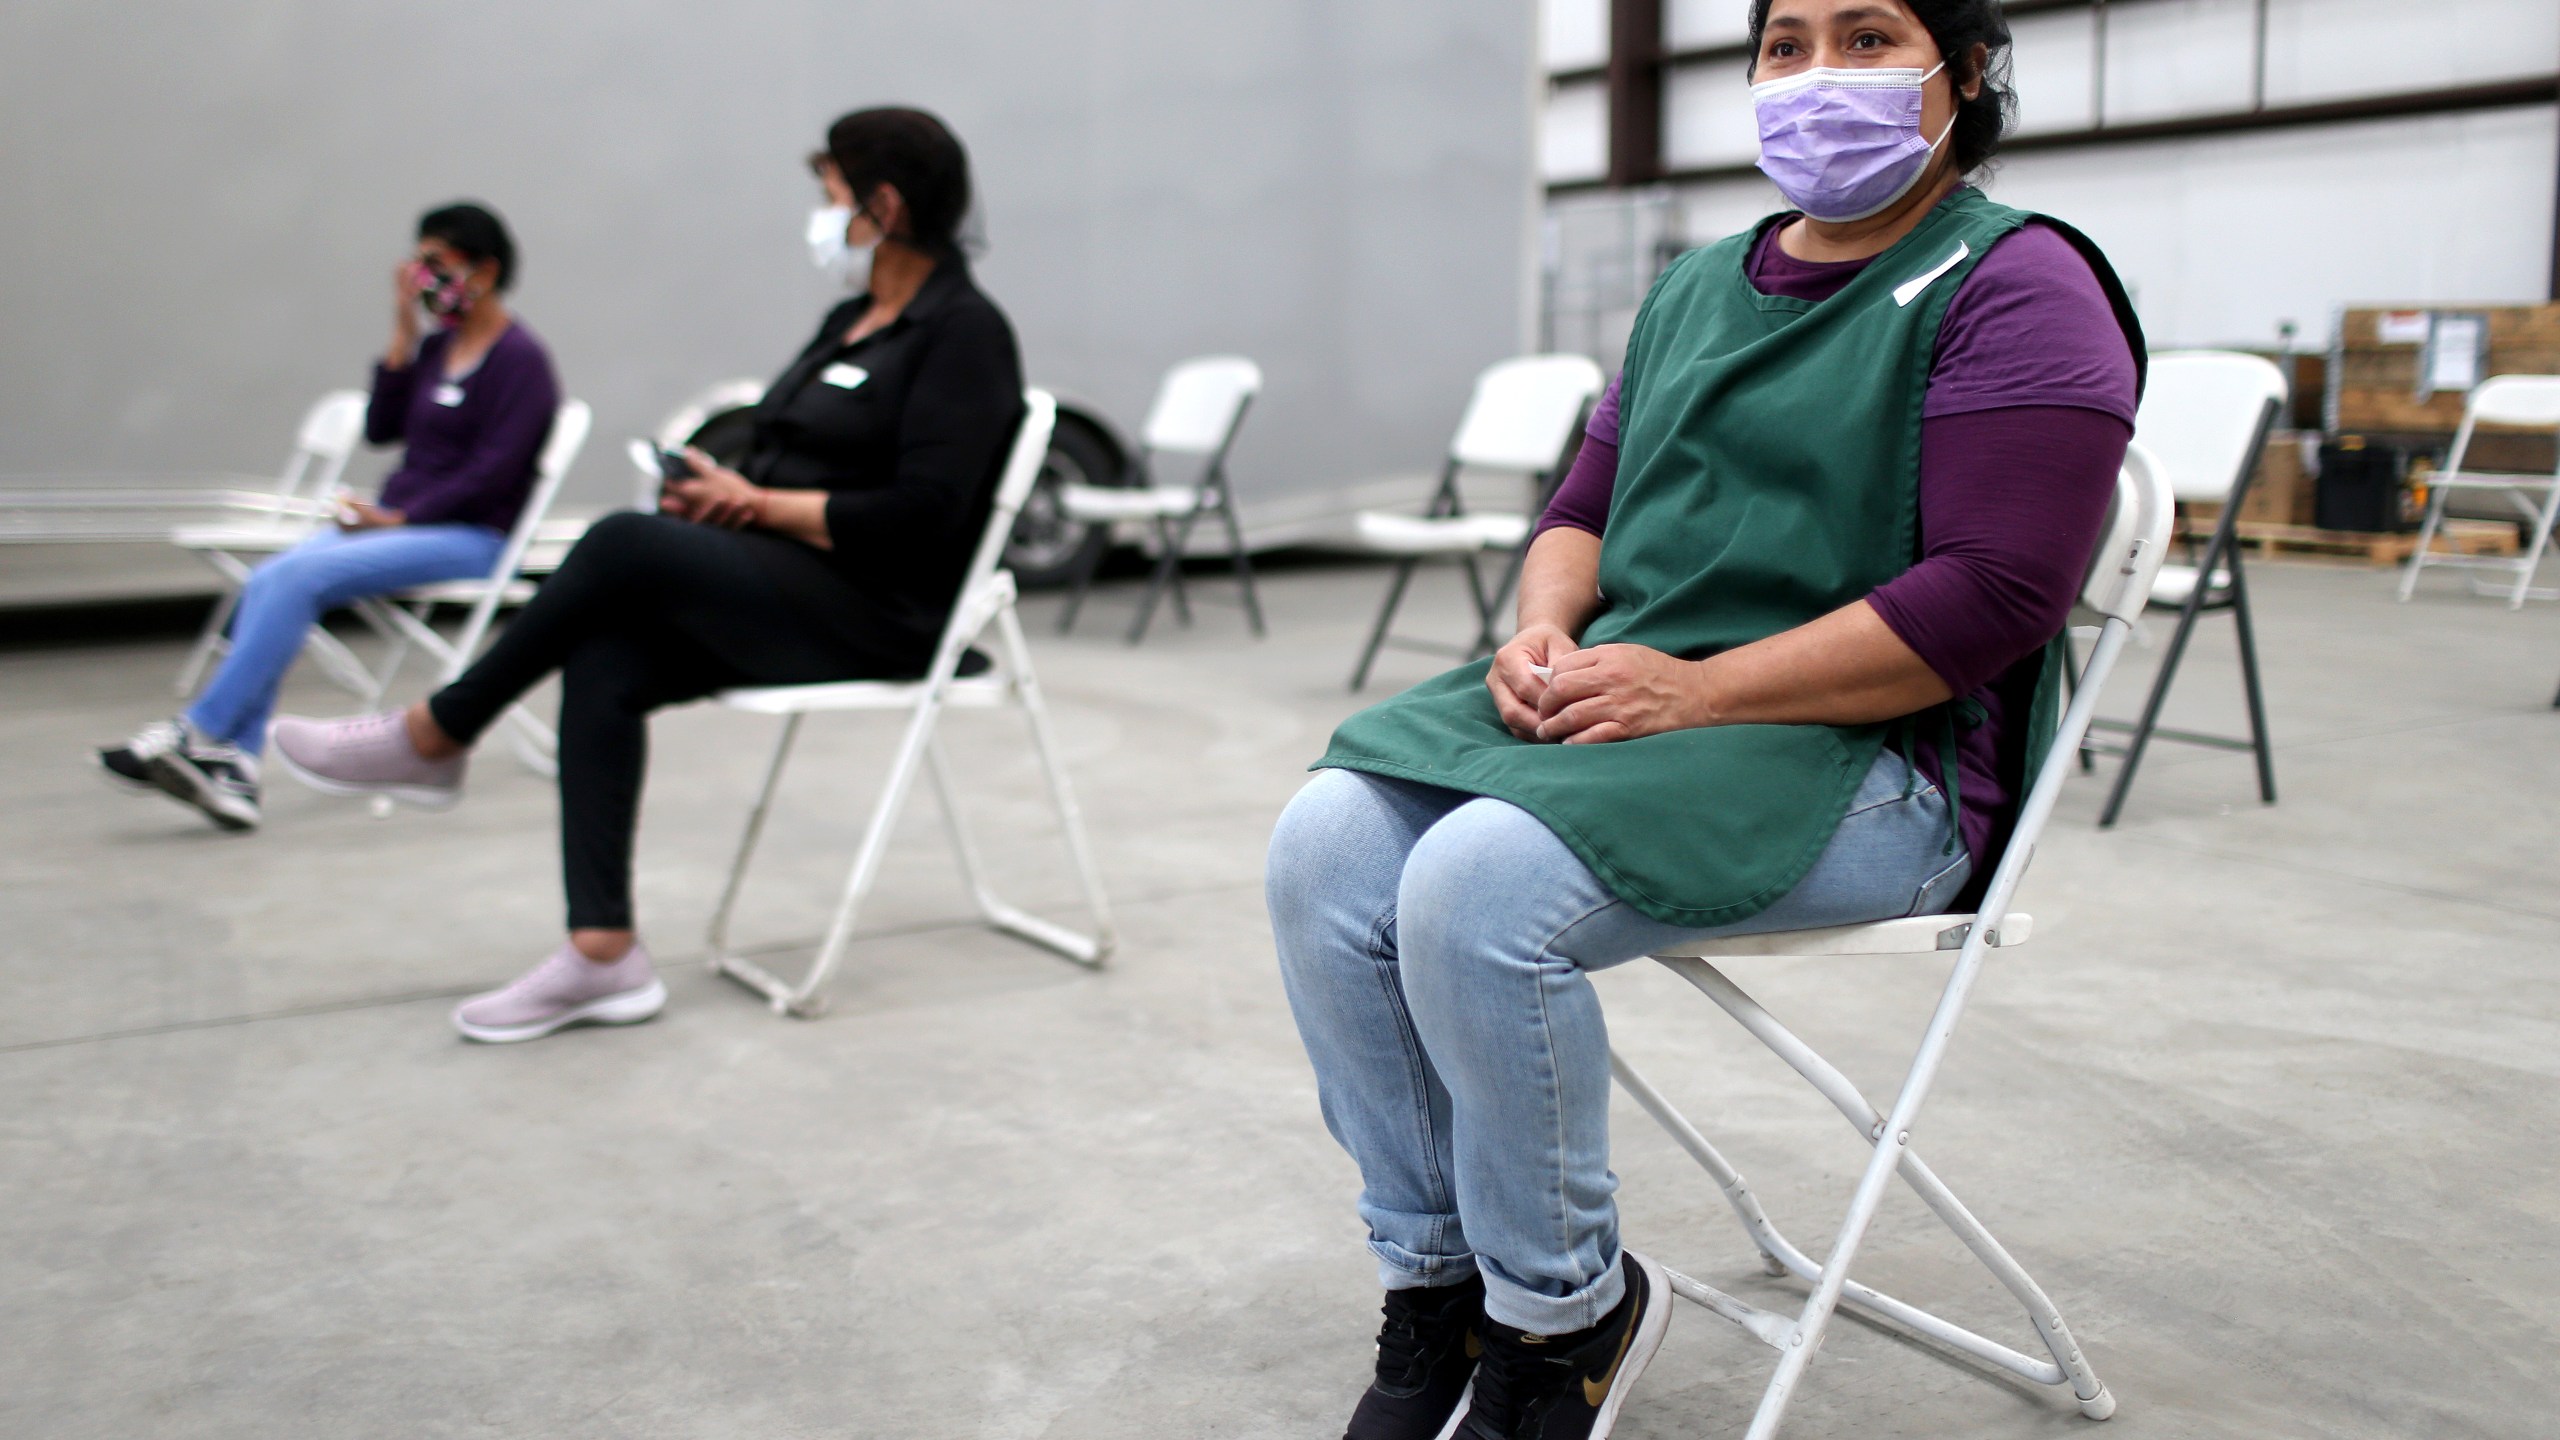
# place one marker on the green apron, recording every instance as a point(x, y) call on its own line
point(1768, 469)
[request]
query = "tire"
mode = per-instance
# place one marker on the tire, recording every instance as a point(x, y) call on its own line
point(1048, 549)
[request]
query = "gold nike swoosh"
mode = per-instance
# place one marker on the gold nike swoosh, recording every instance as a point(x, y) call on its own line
point(1475, 1346)
point(1595, 1391)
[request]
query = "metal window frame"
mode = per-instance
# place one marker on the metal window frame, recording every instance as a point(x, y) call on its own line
point(1640, 65)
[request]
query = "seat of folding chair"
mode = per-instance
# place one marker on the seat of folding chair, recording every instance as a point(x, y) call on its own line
point(1910, 935)
point(2177, 582)
point(463, 592)
point(979, 685)
point(1395, 534)
point(1108, 502)
point(280, 533)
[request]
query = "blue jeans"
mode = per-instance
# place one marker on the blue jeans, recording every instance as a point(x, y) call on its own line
point(1438, 948)
point(287, 595)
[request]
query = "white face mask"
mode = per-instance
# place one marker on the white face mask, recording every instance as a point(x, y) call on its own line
point(848, 265)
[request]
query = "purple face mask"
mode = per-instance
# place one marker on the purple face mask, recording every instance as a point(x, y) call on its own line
point(1844, 144)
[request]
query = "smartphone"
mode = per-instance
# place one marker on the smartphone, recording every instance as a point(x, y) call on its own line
point(673, 466)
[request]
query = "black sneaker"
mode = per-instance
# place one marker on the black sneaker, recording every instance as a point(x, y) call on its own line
point(1569, 1387)
point(1426, 1353)
point(216, 778)
point(129, 765)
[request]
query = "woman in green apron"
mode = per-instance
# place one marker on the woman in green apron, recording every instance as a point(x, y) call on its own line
point(1862, 455)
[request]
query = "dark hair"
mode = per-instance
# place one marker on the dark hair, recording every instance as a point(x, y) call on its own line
point(474, 230)
point(915, 152)
point(1957, 26)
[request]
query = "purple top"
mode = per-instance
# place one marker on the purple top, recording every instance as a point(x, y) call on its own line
point(474, 440)
point(2030, 406)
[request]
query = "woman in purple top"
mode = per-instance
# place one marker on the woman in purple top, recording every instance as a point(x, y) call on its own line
point(1854, 513)
point(2030, 407)
point(474, 402)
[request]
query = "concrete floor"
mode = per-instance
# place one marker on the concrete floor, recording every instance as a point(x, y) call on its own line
point(2268, 1104)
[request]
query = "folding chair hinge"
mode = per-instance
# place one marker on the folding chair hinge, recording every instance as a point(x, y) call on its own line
point(1954, 936)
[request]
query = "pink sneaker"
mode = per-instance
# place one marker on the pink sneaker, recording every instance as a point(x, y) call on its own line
point(567, 989)
point(365, 755)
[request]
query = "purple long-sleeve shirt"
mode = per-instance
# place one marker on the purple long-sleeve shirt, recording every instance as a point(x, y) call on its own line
point(474, 440)
point(2030, 406)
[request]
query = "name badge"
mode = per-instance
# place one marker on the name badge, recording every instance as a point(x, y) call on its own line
point(448, 393)
point(843, 376)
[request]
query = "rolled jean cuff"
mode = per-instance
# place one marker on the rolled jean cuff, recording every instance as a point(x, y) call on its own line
point(1402, 1269)
point(1525, 1309)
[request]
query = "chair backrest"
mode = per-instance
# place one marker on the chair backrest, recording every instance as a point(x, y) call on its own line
point(2521, 400)
point(1022, 467)
point(1200, 404)
point(1524, 411)
point(322, 446)
point(2135, 541)
point(2203, 417)
point(569, 426)
point(2118, 585)
point(2516, 400)
point(713, 399)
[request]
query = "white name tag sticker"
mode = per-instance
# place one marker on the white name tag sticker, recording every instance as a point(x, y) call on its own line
point(448, 393)
point(1911, 289)
point(843, 376)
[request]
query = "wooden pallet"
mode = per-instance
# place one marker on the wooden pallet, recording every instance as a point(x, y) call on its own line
point(2457, 537)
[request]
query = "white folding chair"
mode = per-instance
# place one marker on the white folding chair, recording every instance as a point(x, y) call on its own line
point(330, 430)
point(1522, 418)
point(2204, 420)
point(2523, 401)
point(1198, 410)
point(682, 424)
point(2118, 585)
point(986, 598)
point(406, 617)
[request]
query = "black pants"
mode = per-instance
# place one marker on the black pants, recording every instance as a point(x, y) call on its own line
point(649, 611)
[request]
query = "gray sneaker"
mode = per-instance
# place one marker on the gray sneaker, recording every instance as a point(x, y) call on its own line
point(366, 755)
point(567, 989)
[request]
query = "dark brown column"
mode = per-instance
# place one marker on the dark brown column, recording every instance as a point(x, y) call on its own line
point(2555, 246)
point(1635, 92)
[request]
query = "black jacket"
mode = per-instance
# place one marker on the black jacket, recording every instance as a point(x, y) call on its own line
point(908, 430)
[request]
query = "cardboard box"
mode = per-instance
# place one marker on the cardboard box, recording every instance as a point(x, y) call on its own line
point(2284, 491)
point(2377, 362)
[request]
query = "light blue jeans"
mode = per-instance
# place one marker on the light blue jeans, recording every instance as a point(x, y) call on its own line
point(1438, 948)
point(287, 595)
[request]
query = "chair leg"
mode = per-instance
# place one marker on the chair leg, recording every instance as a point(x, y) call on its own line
point(1096, 949)
point(1168, 564)
point(2531, 560)
point(2151, 706)
point(964, 848)
point(721, 913)
point(2248, 638)
point(209, 641)
point(1083, 586)
point(1386, 617)
point(804, 999)
point(2070, 1364)
point(1243, 562)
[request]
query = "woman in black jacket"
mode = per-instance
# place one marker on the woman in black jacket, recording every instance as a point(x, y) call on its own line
point(834, 551)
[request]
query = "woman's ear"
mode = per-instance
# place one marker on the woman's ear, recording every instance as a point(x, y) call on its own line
point(888, 210)
point(1975, 61)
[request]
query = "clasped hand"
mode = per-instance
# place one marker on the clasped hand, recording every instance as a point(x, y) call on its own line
point(1594, 696)
point(713, 495)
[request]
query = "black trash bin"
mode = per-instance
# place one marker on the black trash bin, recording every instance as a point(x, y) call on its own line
point(2362, 487)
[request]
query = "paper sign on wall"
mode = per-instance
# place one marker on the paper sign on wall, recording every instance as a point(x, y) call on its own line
point(2456, 345)
point(2402, 327)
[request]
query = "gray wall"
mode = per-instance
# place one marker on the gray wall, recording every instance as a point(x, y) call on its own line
point(204, 202)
